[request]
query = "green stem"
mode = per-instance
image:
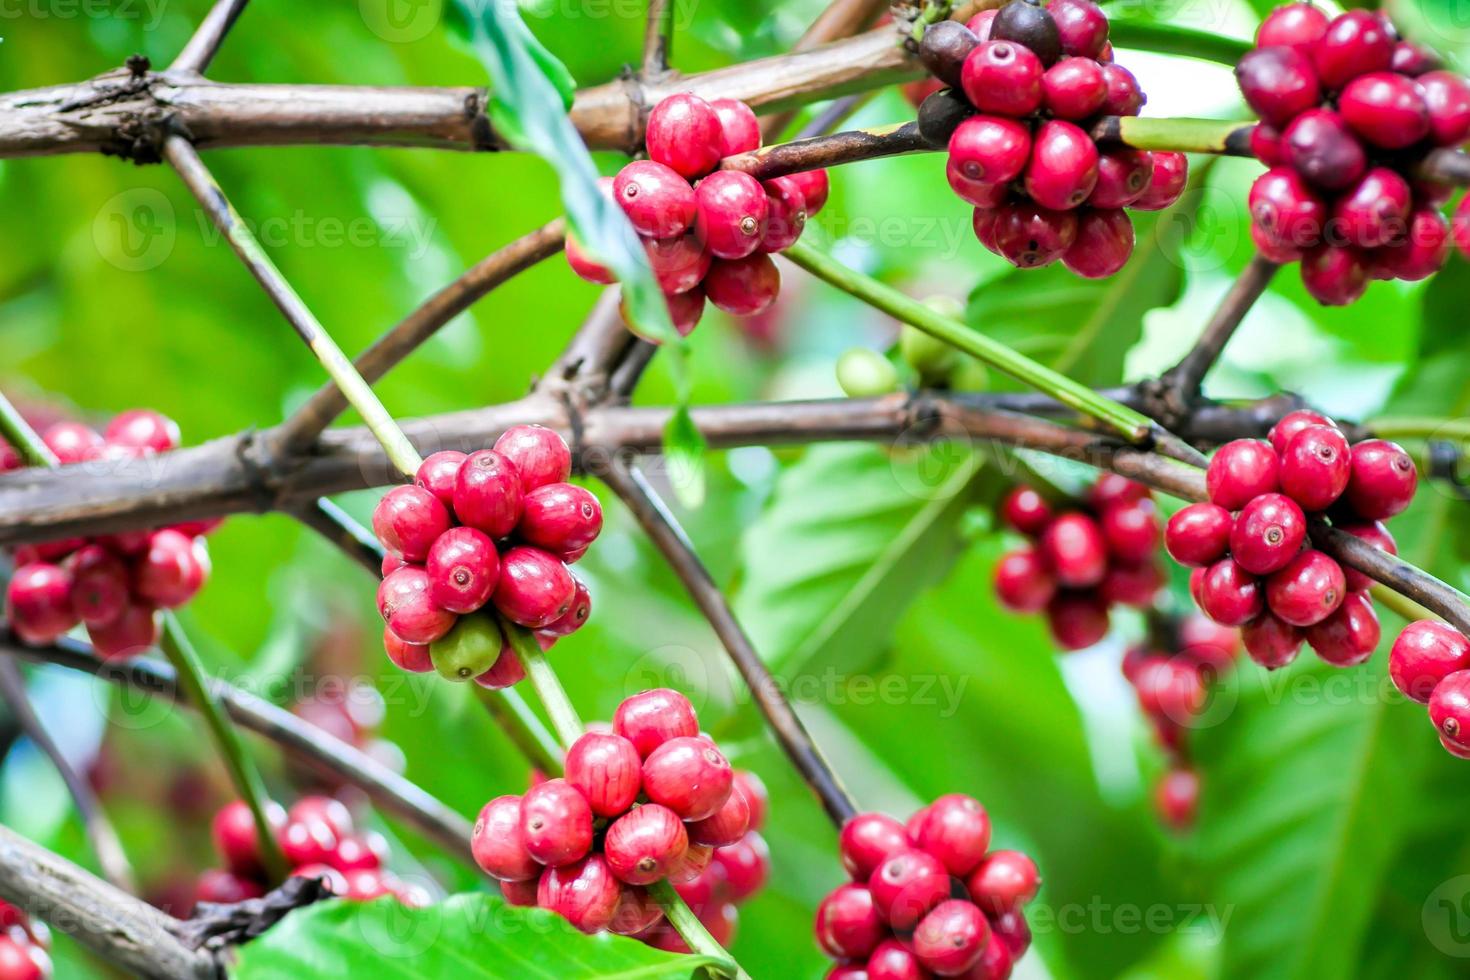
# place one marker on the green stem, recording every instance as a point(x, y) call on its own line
point(523, 728)
point(1419, 427)
point(564, 720)
point(1165, 39)
point(1215, 136)
point(1401, 604)
point(1129, 424)
point(18, 432)
point(181, 653)
point(691, 930)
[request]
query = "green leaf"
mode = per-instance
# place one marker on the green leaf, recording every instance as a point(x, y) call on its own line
point(465, 936)
point(684, 449)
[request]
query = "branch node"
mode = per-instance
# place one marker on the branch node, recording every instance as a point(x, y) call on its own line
point(214, 927)
point(254, 454)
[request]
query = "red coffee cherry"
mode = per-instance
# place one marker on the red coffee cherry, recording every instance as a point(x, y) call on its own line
point(1125, 95)
point(560, 518)
point(1268, 534)
point(488, 493)
point(538, 455)
point(906, 886)
point(1103, 246)
point(679, 263)
point(950, 939)
point(1375, 534)
point(1073, 547)
point(1003, 882)
point(1131, 531)
point(654, 717)
point(1240, 471)
point(1026, 511)
point(1177, 798)
point(1296, 25)
point(684, 132)
point(1319, 144)
point(1167, 185)
point(556, 823)
point(1293, 422)
point(72, 442)
point(1315, 467)
point(956, 829)
point(100, 586)
point(1386, 109)
point(1279, 83)
point(412, 657)
point(133, 632)
point(892, 960)
point(1199, 535)
point(658, 202)
point(535, 589)
point(726, 825)
point(985, 197)
point(463, 569)
point(404, 603)
point(1447, 100)
point(1271, 642)
point(142, 428)
point(1063, 169)
point(1081, 25)
point(1028, 236)
point(1374, 211)
point(507, 671)
point(1212, 645)
point(848, 926)
point(637, 912)
point(1266, 144)
point(1002, 78)
point(437, 474)
point(408, 520)
point(359, 852)
point(740, 132)
point(685, 310)
point(1022, 582)
point(1412, 60)
point(1421, 253)
point(995, 961)
point(743, 287)
point(1132, 585)
point(815, 187)
point(990, 149)
point(1383, 480)
point(1354, 44)
point(643, 845)
point(1449, 710)
point(1074, 89)
point(606, 770)
point(1229, 594)
point(1335, 276)
point(1424, 654)
point(576, 617)
point(1349, 636)
point(585, 893)
point(867, 840)
point(1123, 176)
point(1307, 590)
point(1077, 620)
point(732, 213)
point(1286, 209)
point(749, 785)
point(587, 268)
point(689, 776)
point(746, 866)
point(173, 569)
point(785, 214)
point(234, 835)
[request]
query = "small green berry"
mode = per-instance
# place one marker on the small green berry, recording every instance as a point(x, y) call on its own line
point(469, 649)
point(865, 373)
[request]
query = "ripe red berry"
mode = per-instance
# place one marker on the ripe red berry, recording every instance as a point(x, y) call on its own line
point(1375, 534)
point(955, 829)
point(684, 133)
point(1073, 548)
point(1386, 109)
point(408, 520)
point(1026, 511)
point(637, 912)
point(654, 717)
point(749, 785)
point(1077, 620)
point(133, 632)
point(743, 287)
point(1268, 534)
point(100, 587)
point(726, 825)
point(359, 852)
point(606, 770)
point(740, 132)
point(1177, 798)
point(1349, 636)
point(1002, 78)
point(561, 518)
point(463, 569)
point(1315, 467)
point(1296, 24)
point(785, 214)
point(1028, 236)
point(907, 885)
point(1319, 144)
point(498, 845)
point(1354, 44)
point(746, 866)
point(848, 925)
point(1266, 144)
point(488, 493)
point(1103, 246)
point(1132, 585)
point(643, 845)
point(1374, 211)
point(72, 442)
point(689, 776)
point(437, 474)
point(1241, 470)
point(585, 893)
point(815, 186)
point(1167, 184)
point(1271, 642)
point(1422, 251)
point(985, 197)
point(1335, 276)
point(1424, 654)
point(556, 823)
point(658, 202)
point(507, 671)
point(1003, 882)
point(1383, 480)
point(732, 213)
point(235, 839)
point(1286, 210)
point(1449, 710)
point(405, 605)
point(1125, 95)
point(1063, 169)
point(1293, 422)
point(1124, 175)
point(1229, 594)
point(867, 840)
point(1447, 100)
point(575, 617)
point(1199, 535)
point(1081, 25)
point(142, 428)
point(950, 939)
point(307, 842)
point(1307, 589)
point(538, 455)
point(990, 149)
point(679, 263)
point(1279, 83)
point(892, 960)
point(535, 589)
point(1412, 60)
point(1131, 531)
point(1022, 582)
point(587, 268)
point(995, 961)
point(1074, 89)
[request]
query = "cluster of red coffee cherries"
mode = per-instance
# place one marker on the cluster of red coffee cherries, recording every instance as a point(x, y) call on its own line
point(1348, 113)
point(497, 527)
point(650, 800)
point(114, 584)
point(709, 233)
point(1082, 559)
point(24, 946)
point(928, 898)
point(318, 840)
point(1171, 689)
point(1042, 189)
point(1430, 663)
point(1253, 564)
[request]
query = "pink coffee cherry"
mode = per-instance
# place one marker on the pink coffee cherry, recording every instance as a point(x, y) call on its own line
point(684, 133)
point(1026, 511)
point(1349, 636)
point(403, 601)
point(1386, 109)
point(1268, 533)
point(307, 842)
point(438, 473)
point(535, 589)
point(951, 938)
point(1131, 531)
point(1177, 798)
point(740, 131)
point(1077, 620)
point(539, 455)
point(643, 845)
point(1082, 26)
point(1375, 534)
point(658, 202)
point(892, 960)
point(785, 214)
point(1271, 642)
point(408, 520)
point(732, 213)
point(1421, 253)
point(1449, 710)
point(1447, 100)
point(1286, 209)
point(651, 718)
point(1028, 236)
point(1293, 422)
point(412, 657)
point(637, 912)
point(1199, 535)
point(1124, 175)
point(1003, 882)
point(1354, 44)
point(956, 830)
point(1412, 60)
point(38, 603)
point(1170, 689)
point(1319, 144)
point(1294, 25)
point(72, 442)
point(1003, 78)
point(867, 840)
point(173, 570)
point(142, 428)
point(575, 617)
point(1074, 89)
point(463, 569)
point(1315, 467)
point(1167, 185)
point(1424, 654)
point(1383, 480)
point(1103, 246)
point(679, 263)
point(1132, 585)
point(1063, 169)
point(1241, 470)
point(726, 825)
point(1374, 211)
point(815, 187)
point(556, 823)
point(907, 885)
point(234, 835)
point(100, 587)
point(1335, 276)
point(743, 287)
point(1111, 489)
point(507, 671)
point(587, 268)
point(135, 631)
point(989, 149)
point(1278, 83)
point(585, 893)
point(1229, 594)
point(606, 770)
point(689, 776)
point(749, 785)
point(1023, 583)
point(1125, 95)
point(1307, 590)
point(1073, 547)
point(848, 925)
point(560, 518)
point(488, 493)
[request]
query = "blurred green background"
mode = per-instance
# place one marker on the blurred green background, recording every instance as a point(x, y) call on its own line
point(1332, 834)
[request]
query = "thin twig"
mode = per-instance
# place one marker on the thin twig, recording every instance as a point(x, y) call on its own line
point(101, 835)
point(658, 38)
point(205, 43)
point(840, 19)
point(663, 528)
point(337, 526)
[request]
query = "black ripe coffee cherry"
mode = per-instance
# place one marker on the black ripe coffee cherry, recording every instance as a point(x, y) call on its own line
point(944, 48)
point(940, 115)
point(1028, 23)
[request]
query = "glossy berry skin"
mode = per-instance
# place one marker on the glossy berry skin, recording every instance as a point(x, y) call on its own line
point(142, 428)
point(749, 785)
point(1123, 175)
point(955, 829)
point(732, 213)
point(1074, 89)
point(1354, 44)
point(1030, 26)
point(1383, 480)
point(944, 48)
point(892, 960)
point(685, 311)
point(684, 133)
point(1386, 109)
point(689, 776)
point(1307, 590)
point(746, 866)
point(1022, 582)
point(437, 474)
point(1447, 101)
point(1449, 710)
point(585, 893)
point(38, 602)
point(1170, 178)
point(1026, 511)
point(726, 825)
point(134, 631)
point(535, 589)
point(848, 926)
point(538, 455)
point(1315, 467)
point(1319, 144)
point(1229, 594)
point(1240, 471)
point(1114, 490)
point(1073, 547)
point(1131, 531)
point(408, 520)
point(1272, 642)
point(576, 617)
point(172, 570)
point(1349, 636)
point(652, 718)
point(658, 202)
point(234, 835)
point(907, 885)
point(1286, 209)
point(1279, 83)
point(1125, 95)
point(990, 149)
point(679, 263)
point(867, 840)
point(1003, 882)
point(488, 493)
point(785, 214)
point(1198, 535)
point(587, 268)
point(1378, 536)
point(1103, 246)
point(1423, 251)
point(740, 132)
point(463, 569)
point(1296, 24)
point(643, 845)
point(1374, 211)
point(1268, 533)
point(1293, 422)
point(1063, 169)
point(100, 586)
point(815, 186)
point(1081, 25)
point(72, 442)
point(1077, 620)
point(743, 287)
point(404, 603)
point(950, 939)
point(1412, 60)
point(1003, 78)
point(561, 518)
point(984, 196)
point(1028, 236)
point(1424, 654)
point(606, 770)
point(556, 823)
point(1335, 276)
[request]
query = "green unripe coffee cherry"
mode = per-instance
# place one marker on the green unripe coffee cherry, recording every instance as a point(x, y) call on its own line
point(865, 373)
point(468, 650)
point(969, 375)
point(931, 357)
